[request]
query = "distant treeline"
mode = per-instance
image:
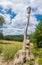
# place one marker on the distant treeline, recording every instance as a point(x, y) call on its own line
point(14, 38)
point(11, 37)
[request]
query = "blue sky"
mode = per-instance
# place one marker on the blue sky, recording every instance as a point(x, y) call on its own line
point(15, 15)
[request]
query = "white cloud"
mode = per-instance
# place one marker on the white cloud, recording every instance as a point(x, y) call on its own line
point(19, 7)
point(37, 4)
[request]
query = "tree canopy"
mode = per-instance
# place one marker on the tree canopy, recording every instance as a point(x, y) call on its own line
point(1, 20)
point(1, 24)
point(36, 37)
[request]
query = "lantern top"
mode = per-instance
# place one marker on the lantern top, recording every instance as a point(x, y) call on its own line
point(28, 10)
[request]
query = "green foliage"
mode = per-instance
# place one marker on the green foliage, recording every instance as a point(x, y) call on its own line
point(14, 38)
point(1, 36)
point(11, 38)
point(32, 37)
point(1, 20)
point(36, 37)
point(38, 34)
point(1, 49)
point(38, 53)
point(1, 24)
point(40, 61)
point(31, 62)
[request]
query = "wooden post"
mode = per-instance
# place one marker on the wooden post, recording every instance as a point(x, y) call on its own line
point(27, 24)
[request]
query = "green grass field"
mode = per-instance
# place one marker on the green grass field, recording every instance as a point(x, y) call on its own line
point(8, 49)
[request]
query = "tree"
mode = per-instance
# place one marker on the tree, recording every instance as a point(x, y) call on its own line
point(1, 24)
point(37, 35)
point(1, 21)
point(1, 36)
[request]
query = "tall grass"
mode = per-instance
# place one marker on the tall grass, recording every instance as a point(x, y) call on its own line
point(9, 50)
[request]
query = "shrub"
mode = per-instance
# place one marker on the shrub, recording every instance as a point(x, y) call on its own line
point(40, 61)
point(31, 62)
point(1, 49)
point(36, 37)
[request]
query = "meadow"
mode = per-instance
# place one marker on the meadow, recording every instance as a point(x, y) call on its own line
point(8, 49)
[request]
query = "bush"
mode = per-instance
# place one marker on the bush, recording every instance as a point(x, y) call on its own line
point(40, 52)
point(31, 62)
point(1, 49)
point(40, 61)
point(36, 37)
